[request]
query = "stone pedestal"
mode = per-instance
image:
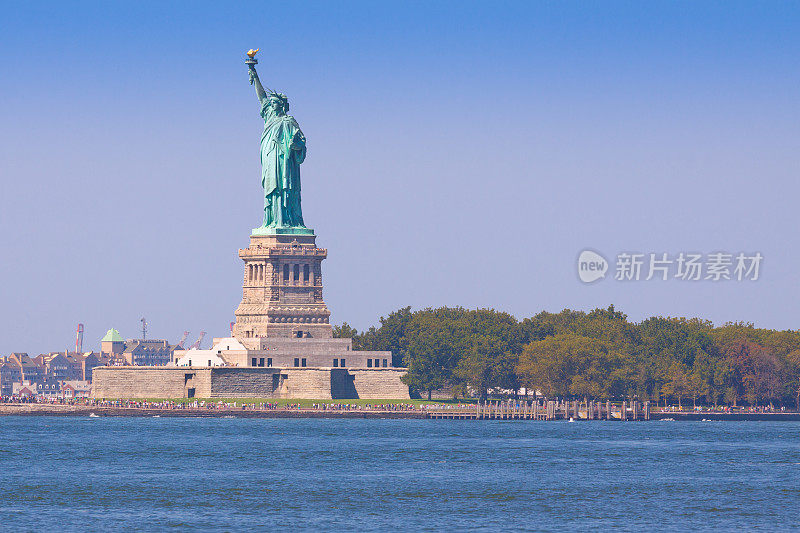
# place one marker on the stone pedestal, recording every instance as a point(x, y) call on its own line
point(282, 289)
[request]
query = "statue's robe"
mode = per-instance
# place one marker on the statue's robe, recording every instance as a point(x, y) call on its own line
point(283, 148)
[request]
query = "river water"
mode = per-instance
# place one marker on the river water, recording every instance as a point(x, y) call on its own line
point(381, 475)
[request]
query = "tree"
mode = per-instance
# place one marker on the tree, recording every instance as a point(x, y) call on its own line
point(698, 387)
point(665, 341)
point(390, 336)
point(436, 340)
point(545, 365)
point(702, 376)
point(678, 382)
point(573, 365)
point(487, 366)
point(756, 371)
point(345, 331)
point(793, 371)
point(595, 354)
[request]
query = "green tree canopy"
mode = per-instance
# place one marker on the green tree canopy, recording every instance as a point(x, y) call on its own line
point(594, 354)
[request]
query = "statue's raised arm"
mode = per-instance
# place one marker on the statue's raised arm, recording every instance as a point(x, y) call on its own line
point(260, 92)
point(251, 63)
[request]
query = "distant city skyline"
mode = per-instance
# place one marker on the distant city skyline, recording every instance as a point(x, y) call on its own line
point(436, 133)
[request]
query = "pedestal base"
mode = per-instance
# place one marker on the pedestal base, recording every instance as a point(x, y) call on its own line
point(282, 289)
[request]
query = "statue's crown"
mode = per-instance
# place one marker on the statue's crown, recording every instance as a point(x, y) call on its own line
point(280, 96)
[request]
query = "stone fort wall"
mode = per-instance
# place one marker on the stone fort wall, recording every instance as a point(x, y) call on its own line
point(235, 382)
point(379, 384)
point(149, 382)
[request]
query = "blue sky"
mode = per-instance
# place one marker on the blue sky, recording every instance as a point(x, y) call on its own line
point(460, 153)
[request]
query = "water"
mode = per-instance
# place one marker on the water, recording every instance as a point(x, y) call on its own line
point(378, 475)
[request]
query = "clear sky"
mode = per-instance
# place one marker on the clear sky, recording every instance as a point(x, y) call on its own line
point(459, 153)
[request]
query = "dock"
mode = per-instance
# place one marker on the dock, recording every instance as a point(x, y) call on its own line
point(547, 410)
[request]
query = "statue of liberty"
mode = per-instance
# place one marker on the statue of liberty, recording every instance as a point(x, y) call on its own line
point(283, 149)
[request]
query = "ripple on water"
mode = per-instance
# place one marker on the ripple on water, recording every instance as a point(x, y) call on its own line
point(373, 475)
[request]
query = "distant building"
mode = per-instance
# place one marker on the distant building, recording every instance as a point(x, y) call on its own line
point(31, 371)
point(43, 359)
point(75, 389)
point(26, 388)
point(134, 352)
point(148, 352)
point(93, 360)
point(78, 363)
point(112, 343)
point(65, 366)
point(198, 358)
point(51, 388)
point(10, 373)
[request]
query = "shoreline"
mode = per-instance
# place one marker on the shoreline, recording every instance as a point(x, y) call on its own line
point(723, 417)
point(34, 409)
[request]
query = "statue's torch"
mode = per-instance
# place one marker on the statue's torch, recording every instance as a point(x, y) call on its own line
point(251, 60)
point(251, 63)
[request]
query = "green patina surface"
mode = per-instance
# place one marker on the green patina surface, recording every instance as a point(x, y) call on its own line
point(282, 231)
point(283, 149)
point(112, 335)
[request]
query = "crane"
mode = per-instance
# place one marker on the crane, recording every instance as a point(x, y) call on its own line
point(196, 345)
point(183, 339)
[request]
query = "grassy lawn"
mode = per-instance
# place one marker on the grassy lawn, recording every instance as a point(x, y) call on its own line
point(309, 403)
